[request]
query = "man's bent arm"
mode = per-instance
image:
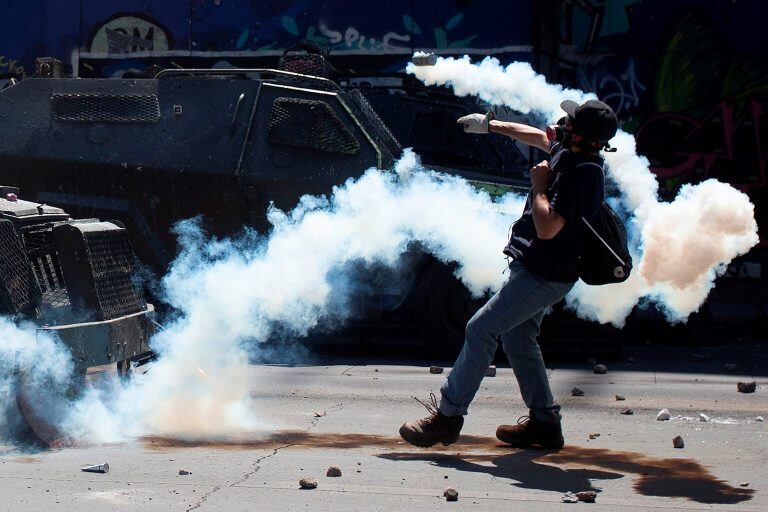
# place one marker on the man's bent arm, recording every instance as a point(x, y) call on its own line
point(522, 132)
point(547, 221)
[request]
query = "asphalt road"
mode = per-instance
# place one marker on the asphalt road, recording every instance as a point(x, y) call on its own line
point(632, 464)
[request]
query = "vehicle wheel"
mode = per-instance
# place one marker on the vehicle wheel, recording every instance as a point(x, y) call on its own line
point(43, 407)
point(443, 306)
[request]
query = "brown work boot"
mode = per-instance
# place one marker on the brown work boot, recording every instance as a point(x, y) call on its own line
point(435, 428)
point(530, 432)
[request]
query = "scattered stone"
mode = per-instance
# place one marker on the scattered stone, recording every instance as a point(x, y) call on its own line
point(319, 414)
point(451, 494)
point(731, 366)
point(746, 387)
point(744, 484)
point(703, 417)
point(490, 371)
point(569, 497)
point(577, 392)
point(435, 369)
point(184, 472)
point(600, 369)
point(759, 418)
point(627, 411)
point(333, 471)
point(594, 435)
point(308, 483)
point(96, 468)
point(678, 442)
point(587, 496)
point(663, 415)
point(620, 397)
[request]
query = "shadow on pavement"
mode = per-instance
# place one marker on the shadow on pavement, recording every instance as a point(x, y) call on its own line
point(531, 469)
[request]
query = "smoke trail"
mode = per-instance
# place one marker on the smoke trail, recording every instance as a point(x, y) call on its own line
point(231, 293)
point(681, 246)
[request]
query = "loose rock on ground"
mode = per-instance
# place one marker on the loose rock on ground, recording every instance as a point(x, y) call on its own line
point(600, 369)
point(577, 392)
point(587, 496)
point(620, 397)
point(333, 471)
point(308, 483)
point(435, 369)
point(678, 442)
point(627, 411)
point(663, 415)
point(569, 497)
point(451, 494)
point(490, 371)
point(183, 472)
point(746, 387)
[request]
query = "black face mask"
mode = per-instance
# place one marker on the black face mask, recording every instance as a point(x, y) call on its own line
point(559, 132)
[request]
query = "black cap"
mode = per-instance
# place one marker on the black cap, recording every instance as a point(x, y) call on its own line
point(593, 119)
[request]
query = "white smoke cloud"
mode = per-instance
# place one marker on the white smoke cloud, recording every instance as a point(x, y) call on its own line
point(230, 293)
point(30, 355)
point(679, 248)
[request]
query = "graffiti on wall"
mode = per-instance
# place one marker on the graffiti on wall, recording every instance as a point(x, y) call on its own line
point(11, 66)
point(127, 33)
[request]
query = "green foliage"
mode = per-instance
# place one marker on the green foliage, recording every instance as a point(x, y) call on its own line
point(410, 25)
point(455, 20)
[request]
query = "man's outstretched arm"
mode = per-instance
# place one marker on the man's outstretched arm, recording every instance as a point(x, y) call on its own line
point(522, 132)
point(485, 123)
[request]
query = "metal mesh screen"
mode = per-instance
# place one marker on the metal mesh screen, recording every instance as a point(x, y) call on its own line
point(304, 63)
point(309, 124)
point(113, 265)
point(19, 290)
point(377, 122)
point(106, 108)
point(49, 67)
point(38, 243)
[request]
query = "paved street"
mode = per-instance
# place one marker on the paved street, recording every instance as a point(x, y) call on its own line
point(348, 416)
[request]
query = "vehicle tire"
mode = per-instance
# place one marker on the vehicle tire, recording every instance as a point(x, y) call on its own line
point(443, 306)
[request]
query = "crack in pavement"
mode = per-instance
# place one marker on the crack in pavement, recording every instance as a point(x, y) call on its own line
point(204, 497)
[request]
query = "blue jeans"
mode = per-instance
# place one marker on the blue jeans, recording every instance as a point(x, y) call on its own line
point(513, 314)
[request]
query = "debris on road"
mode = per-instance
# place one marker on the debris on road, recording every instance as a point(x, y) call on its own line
point(435, 369)
point(569, 497)
point(319, 414)
point(577, 392)
point(96, 468)
point(627, 411)
point(308, 483)
point(744, 484)
point(620, 397)
point(587, 496)
point(731, 367)
point(490, 371)
point(600, 369)
point(678, 442)
point(663, 415)
point(746, 387)
point(759, 418)
point(451, 494)
point(333, 471)
point(703, 417)
point(184, 472)
point(594, 435)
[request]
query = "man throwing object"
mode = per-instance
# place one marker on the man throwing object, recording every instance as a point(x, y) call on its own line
point(544, 246)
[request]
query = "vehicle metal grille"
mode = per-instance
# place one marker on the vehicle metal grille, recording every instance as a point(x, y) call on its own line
point(387, 136)
point(309, 124)
point(38, 244)
point(19, 290)
point(304, 63)
point(106, 108)
point(113, 265)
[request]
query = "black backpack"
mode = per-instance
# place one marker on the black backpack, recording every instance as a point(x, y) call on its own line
point(604, 257)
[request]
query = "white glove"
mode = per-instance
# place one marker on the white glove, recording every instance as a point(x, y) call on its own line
point(476, 123)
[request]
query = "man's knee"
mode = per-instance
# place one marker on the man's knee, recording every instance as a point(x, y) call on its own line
point(477, 332)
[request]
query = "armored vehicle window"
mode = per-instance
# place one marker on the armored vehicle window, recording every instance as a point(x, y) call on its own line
point(309, 124)
point(106, 108)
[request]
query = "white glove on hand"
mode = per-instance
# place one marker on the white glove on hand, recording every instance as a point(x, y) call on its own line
point(476, 123)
